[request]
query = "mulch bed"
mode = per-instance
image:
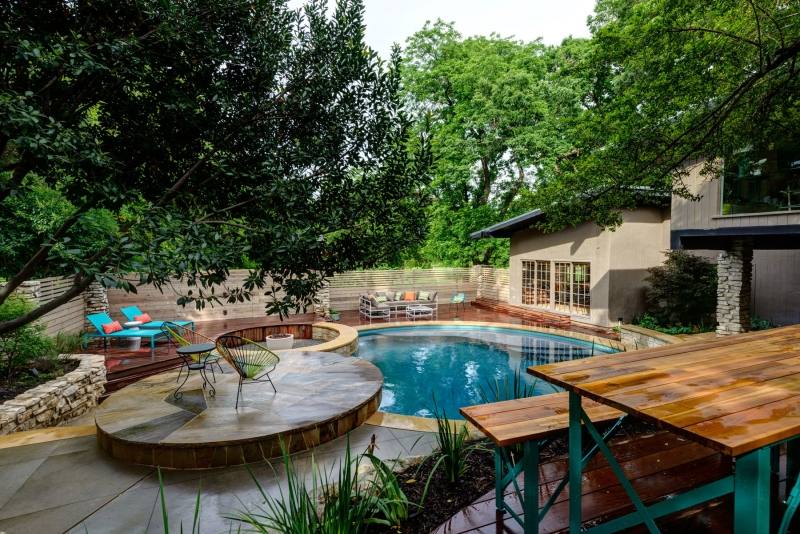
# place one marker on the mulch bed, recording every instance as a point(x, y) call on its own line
point(31, 379)
point(444, 498)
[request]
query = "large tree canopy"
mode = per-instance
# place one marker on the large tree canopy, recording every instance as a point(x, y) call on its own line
point(183, 139)
point(492, 113)
point(668, 83)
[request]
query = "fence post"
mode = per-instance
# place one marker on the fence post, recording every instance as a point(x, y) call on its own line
point(479, 281)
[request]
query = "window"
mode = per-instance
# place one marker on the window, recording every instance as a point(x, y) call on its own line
point(536, 283)
point(562, 286)
point(529, 282)
point(762, 180)
point(542, 283)
point(570, 283)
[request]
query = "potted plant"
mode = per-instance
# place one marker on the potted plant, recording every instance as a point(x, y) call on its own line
point(335, 316)
point(279, 341)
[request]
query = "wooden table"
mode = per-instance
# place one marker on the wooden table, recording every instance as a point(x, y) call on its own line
point(738, 394)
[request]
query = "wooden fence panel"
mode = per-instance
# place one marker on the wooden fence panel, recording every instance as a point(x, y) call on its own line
point(67, 318)
point(494, 284)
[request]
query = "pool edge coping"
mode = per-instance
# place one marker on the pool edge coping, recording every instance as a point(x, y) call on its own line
point(427, 424)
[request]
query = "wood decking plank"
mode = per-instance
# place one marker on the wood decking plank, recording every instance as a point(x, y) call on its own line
point(735, 394)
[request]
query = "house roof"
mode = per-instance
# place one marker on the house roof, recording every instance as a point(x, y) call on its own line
point(508, 227)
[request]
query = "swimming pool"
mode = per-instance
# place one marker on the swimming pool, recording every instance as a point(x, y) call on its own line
point(459, 363)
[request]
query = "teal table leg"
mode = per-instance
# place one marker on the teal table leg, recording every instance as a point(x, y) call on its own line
point(751, 505)
point(530, 469)
point(575, 463)
point(498, 490)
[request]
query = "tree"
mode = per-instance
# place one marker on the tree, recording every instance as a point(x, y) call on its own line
point(176, 139)
point(487, 104)
point(666, 83)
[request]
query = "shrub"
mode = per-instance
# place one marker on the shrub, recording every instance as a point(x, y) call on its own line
point(682, 291)
point(20, 347)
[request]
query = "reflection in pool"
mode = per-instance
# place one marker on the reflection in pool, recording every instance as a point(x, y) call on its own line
point(458, 362)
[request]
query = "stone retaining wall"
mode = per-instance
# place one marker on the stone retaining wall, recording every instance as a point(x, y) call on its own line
point(637, 337)
point(56, 401)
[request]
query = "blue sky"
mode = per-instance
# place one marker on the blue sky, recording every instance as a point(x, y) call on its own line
point(391, 21)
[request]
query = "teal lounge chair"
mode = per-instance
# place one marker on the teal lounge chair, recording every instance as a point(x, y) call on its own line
point(131, 312)
point(459, 298)
point(99, 319)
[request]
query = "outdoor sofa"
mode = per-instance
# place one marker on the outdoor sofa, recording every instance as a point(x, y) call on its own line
point(385, 304)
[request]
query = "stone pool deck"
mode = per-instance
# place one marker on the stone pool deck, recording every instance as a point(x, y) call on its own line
point(66, 483)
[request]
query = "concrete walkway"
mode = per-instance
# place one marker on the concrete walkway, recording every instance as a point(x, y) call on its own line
point(70, 485)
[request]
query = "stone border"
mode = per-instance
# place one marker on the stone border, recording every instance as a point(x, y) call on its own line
point(338, 338)
point(58, 400)
point(637, 337)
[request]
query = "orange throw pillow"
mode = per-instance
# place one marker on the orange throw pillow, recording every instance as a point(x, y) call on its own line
point(110, 328)
point(144, 318)
point(410, 295)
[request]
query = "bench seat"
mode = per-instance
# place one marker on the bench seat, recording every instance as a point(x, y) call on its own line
point(515, 421)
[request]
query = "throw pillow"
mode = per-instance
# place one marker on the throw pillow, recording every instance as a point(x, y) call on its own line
point(398, 295)
point(424, 295)
point(410, 295)
point(145, 318)
point(110, 328)
point(380, 299)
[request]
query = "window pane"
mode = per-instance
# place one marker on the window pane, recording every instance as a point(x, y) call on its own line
point(528, 282)
point(762, 180)
point(580, 288)
point(562, 286)
point(543, 283)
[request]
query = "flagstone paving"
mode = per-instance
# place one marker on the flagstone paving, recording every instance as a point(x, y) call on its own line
point(71, 485)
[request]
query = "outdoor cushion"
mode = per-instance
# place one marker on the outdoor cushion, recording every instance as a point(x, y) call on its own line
point(380, 299)
point(377, 304)
point(110, 328)
point(424, 295)
point(143, 318)
point(410, 295)
point(398, 295)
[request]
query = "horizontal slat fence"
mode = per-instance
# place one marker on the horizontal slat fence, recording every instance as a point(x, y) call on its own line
point(67, 318)
point(345, 288)
point(494, 284)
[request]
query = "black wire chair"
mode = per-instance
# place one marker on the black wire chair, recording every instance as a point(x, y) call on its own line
point(183, 336)
point(252, 361)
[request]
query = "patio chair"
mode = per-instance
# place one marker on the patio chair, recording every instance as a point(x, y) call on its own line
point(182, 336)
point(99, 319)
point(459, 298)
point(252, 361)
point(133, 313)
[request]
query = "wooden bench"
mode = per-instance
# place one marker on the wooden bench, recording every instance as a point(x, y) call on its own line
point(529, 422)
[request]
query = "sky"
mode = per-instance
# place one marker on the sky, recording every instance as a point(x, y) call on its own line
point(390, 21)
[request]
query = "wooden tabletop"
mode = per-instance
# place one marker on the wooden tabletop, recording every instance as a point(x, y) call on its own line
point(735, 394)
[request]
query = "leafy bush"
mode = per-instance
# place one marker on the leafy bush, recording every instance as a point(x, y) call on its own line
point(682, 291)
point(335, 503)
point(453, 448)
point(20, 347)
point(758, 323)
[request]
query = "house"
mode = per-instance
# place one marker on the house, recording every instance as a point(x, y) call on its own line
point(748, 221)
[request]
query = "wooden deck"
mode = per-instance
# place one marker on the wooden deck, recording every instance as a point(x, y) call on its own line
point(126, 366)
point(658, 465)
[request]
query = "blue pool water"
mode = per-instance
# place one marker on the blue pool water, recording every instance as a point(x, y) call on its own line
point(458, 362)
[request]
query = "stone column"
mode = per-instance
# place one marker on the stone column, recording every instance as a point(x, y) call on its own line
point(322, 308)
point(734, 274)
point(95, 300)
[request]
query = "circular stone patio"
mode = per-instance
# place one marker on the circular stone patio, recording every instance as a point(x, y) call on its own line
point(321, 396)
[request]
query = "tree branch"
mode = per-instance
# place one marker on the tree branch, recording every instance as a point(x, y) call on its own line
point(717, 32)
point(79, 285)
point(38, 258)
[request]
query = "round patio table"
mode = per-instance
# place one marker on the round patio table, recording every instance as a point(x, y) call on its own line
point(199, 364)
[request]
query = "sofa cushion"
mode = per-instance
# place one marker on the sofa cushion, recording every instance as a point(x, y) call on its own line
point(424, 295)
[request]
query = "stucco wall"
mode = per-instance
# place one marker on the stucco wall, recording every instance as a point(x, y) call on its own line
point(636, 246)
point(586, 242)
point(619, 260)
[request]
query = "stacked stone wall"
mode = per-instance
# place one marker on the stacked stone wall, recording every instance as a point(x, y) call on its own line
point(735, 275)
point(58, 400)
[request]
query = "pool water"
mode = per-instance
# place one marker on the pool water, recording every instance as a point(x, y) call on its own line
point(459, 363)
